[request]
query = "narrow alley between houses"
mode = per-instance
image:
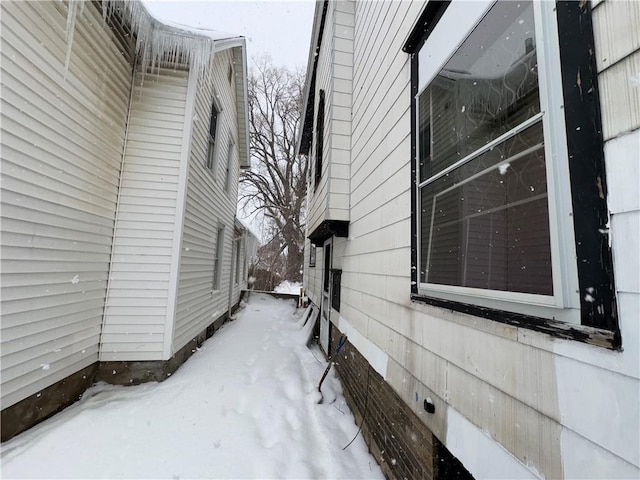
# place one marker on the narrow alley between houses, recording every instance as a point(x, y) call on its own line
point(245, 405)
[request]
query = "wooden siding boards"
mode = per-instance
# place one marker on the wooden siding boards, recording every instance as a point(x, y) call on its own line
point(518, 387)
point(62, 138)
point(208, 207)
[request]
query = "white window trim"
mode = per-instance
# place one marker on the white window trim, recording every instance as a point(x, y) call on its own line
point(564, 304)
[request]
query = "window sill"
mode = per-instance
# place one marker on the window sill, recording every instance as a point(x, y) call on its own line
point(579, 333)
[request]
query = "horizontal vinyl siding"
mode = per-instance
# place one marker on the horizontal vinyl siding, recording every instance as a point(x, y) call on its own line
point(136, 308)
point(474, 366)
point(208, 207)
point(339, 114)
point(318, 204)
point(62, 139)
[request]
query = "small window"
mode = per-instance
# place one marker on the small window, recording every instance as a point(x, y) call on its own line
point(312, 255)
point(213, 136)
point(227, 173)
point(217, 260)
point(336, 280)
point(319, 138)
point(238, 264)
point(327, 268)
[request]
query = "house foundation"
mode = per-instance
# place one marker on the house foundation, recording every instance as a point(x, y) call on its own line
point(401, 443)
point(38, 407)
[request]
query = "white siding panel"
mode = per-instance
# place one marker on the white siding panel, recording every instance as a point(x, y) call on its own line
point(620, 96)
point(616, 27)
point(208, 207)
point(62, 139)
point(144, 227)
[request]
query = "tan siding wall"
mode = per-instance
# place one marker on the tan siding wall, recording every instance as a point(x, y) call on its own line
point(137, 300)
point(208, 206)
point(62, 139)
point(528, 377)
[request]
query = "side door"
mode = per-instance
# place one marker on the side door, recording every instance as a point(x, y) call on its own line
point(325, 304)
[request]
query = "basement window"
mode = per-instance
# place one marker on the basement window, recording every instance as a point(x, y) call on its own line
point(500, 211)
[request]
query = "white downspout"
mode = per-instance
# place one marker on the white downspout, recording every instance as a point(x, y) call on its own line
point(117, 212)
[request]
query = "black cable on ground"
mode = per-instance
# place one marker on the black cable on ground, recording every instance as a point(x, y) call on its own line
point(364, 412)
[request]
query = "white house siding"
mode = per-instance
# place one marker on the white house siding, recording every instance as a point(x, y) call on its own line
point(338, 113)
point(331, 199)
point(62, 138)
point(510, 402)
point(318, 203)
point(313, 274)
point(208, 207)
point(137, 306)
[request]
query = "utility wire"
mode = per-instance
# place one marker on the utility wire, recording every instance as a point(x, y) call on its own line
point(364, 412)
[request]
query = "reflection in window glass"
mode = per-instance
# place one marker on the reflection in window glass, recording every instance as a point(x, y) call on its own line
point(484, 221)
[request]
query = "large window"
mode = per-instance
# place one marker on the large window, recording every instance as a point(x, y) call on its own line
point(494, 185)
point(483, 186)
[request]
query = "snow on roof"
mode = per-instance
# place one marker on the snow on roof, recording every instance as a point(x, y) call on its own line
point(155, 38)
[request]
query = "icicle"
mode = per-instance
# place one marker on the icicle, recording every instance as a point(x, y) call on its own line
point(158, 44)
point(74, 7)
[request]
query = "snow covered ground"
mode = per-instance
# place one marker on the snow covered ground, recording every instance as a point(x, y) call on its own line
point(288, 287)
point(243, 406)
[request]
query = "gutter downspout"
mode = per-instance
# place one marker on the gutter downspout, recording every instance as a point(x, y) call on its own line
point(117, 212)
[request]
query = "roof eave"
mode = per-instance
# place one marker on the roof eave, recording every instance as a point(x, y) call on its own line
point(306, 118)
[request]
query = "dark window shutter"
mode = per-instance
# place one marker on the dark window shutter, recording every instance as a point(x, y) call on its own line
point(319, 137)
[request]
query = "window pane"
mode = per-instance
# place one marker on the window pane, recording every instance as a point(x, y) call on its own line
point(487, 88)
point(214, 121)
point(485, 225)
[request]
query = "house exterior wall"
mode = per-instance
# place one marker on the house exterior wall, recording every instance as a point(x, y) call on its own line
point(509, 402)
point(63, 131)
point(208, 207)
point(334, 72)
point(138, 317)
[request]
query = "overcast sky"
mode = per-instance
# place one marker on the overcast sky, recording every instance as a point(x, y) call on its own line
point(280, 28)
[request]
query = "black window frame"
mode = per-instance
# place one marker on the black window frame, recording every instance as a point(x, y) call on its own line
point(587, 182)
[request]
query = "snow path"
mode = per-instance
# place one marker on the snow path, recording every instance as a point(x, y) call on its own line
point(243, 406)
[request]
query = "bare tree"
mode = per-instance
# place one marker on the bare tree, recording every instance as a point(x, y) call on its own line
point(276, 184)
